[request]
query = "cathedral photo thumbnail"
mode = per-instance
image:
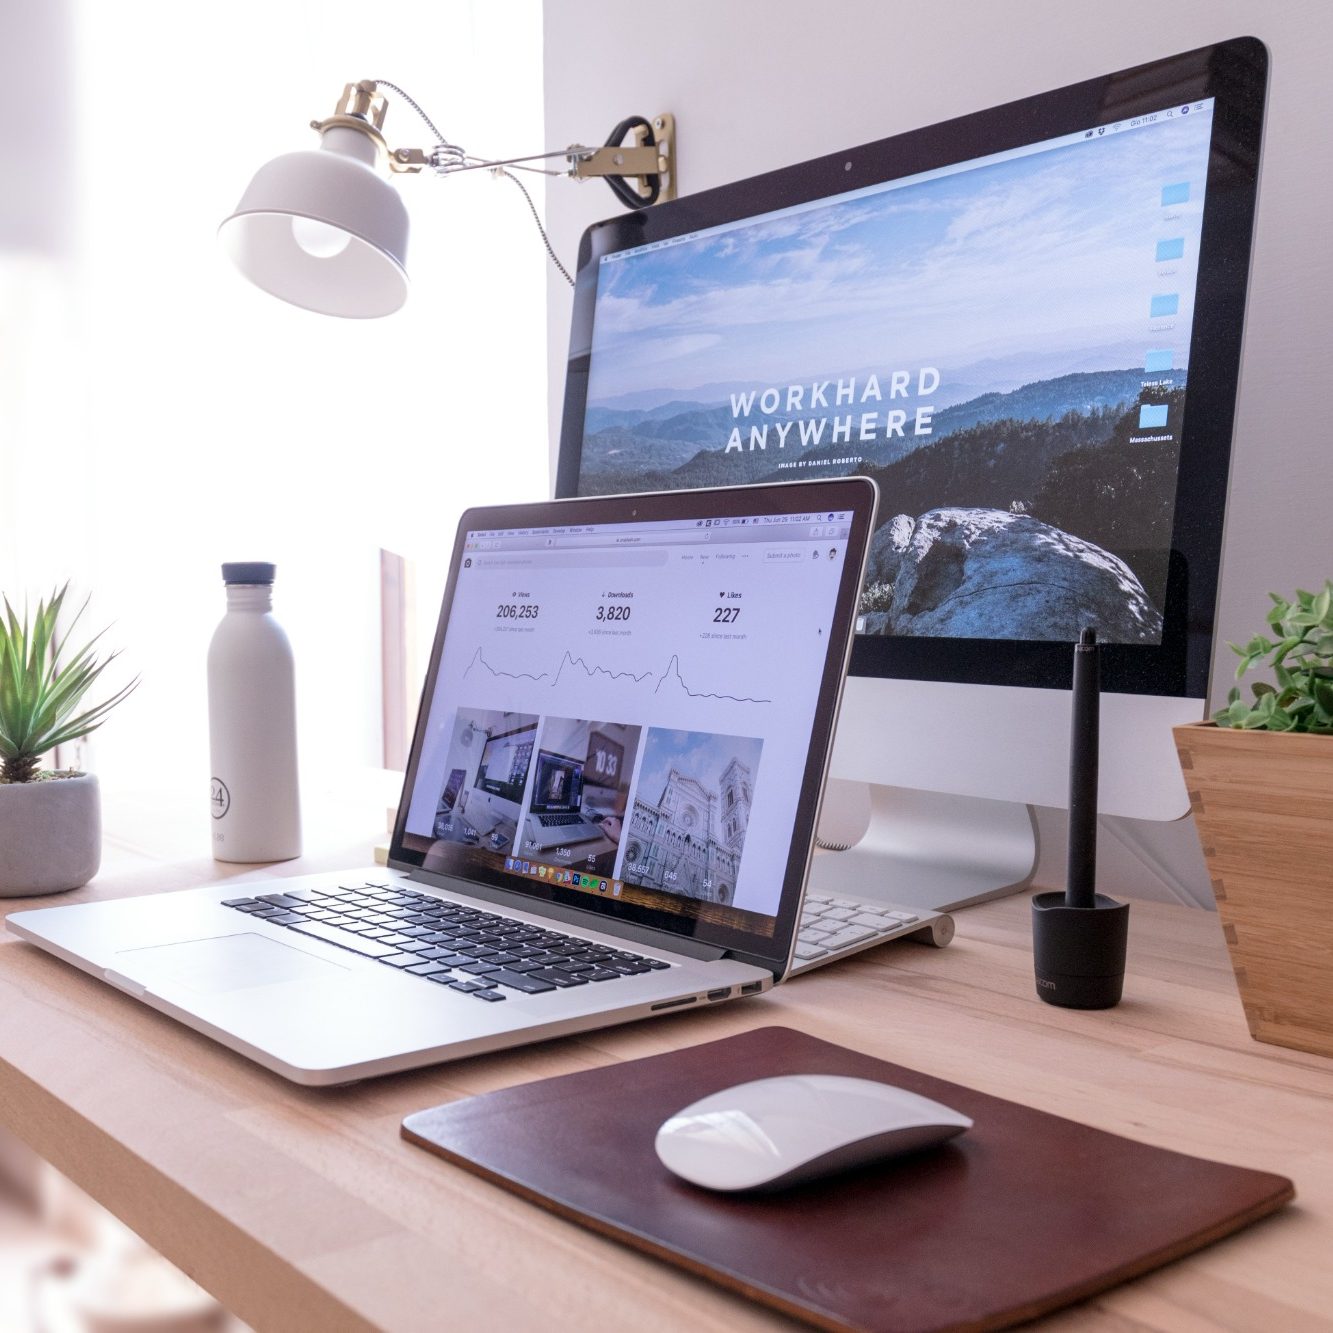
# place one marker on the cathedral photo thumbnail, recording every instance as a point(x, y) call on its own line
point(690, 813)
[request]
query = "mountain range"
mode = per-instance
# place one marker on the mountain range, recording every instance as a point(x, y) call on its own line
point(683, 444)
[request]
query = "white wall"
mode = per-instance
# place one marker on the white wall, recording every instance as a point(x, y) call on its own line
point(757, 84)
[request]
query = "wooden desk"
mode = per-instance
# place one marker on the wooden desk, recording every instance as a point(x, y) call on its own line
point(302, 1209)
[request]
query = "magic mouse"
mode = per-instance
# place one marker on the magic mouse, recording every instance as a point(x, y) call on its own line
point(776, 1132)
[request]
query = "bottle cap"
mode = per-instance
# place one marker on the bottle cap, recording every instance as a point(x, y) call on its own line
point(248, 571)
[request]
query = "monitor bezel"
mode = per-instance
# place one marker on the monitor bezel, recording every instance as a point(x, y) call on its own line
point(770, 949)
point(1235, 74)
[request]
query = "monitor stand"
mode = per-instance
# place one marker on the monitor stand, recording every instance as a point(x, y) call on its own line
point(932, 850)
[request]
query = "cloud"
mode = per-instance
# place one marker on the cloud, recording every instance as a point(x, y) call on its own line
point(1002, 259)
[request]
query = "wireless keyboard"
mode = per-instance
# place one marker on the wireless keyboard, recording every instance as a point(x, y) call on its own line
point(834, 927)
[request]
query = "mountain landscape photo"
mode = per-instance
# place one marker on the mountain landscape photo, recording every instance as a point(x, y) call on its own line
point(1003, 348)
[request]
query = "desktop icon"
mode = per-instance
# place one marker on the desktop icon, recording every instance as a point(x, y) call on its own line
point(541, 871)
point(509, 862)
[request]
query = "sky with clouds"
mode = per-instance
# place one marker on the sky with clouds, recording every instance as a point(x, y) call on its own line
point(699, 754)
point(1012, 259)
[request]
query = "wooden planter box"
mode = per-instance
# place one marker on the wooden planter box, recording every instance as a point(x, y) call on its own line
point(1263, 805)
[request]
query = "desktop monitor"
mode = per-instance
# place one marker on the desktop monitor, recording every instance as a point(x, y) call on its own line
point(1025, 324)
point(503, 770)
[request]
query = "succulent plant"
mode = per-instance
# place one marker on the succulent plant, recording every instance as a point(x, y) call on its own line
point(1301, 660)
point(42, 683)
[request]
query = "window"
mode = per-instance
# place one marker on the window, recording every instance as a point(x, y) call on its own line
point(190, 419)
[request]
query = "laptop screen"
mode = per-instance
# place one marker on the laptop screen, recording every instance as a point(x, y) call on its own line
point(639, 694)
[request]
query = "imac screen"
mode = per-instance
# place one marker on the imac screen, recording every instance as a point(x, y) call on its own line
point(1004, 341)
point(504, 763)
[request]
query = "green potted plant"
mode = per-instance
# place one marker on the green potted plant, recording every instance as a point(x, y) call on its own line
point(1260, 780)
point(50, 822)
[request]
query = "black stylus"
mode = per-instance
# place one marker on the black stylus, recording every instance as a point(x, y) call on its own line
point(1079, 936)
point(1081, 878)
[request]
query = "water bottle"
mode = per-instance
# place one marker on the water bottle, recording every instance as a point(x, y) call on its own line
point(255, 800)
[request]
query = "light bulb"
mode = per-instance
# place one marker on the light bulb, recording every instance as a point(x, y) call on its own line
point(318, 238)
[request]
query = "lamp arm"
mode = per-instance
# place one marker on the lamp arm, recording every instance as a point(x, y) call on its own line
point(652, 155)
point(633, 163)
point(447, 158)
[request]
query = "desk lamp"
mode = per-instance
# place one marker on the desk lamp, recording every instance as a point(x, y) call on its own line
point(324, 230)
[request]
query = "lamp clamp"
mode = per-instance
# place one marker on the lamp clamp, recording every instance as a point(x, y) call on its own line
point(635, 163)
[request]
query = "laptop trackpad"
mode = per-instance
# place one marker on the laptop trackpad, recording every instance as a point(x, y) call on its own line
point(224, 963)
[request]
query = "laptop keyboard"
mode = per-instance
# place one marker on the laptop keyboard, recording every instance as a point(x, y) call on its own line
point(558, 821)
point(474, 952)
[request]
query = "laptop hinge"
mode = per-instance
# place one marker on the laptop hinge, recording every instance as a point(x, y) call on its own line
point(625, 930)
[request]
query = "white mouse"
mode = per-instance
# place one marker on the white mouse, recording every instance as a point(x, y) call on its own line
point(776, 1132)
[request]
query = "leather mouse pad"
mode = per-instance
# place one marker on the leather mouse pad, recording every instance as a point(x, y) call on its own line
point(1023, 1214)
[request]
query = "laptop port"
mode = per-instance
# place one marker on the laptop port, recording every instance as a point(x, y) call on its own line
point(675, 1004)
point(715, 995)
point(752, 988)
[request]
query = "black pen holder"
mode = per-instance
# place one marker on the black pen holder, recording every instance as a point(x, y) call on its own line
point(1079, 952)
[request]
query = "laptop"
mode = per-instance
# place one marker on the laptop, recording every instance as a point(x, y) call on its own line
point(674, 661)
point(555, 816)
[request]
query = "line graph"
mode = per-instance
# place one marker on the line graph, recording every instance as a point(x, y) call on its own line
point(570, 661)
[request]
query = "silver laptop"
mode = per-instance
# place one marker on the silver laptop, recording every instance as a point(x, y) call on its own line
point(555, 815)
point(664, 670)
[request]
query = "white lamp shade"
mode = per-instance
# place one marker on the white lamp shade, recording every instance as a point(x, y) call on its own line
point(323, 230)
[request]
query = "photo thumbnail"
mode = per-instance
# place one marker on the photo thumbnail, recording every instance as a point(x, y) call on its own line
point(579, 793)
point(486, 774)
point(690, 813)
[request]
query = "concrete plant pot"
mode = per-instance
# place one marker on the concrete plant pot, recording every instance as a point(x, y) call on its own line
point(50, 835)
